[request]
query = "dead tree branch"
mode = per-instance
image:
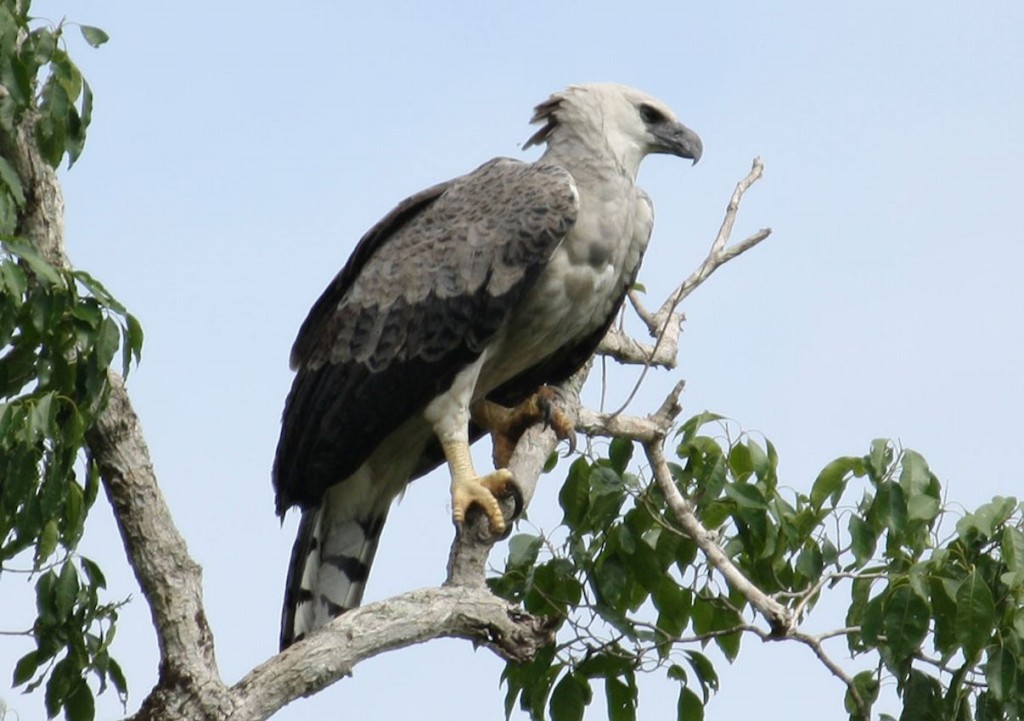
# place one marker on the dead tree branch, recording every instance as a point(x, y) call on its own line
point(665, 325)
point(331, 653)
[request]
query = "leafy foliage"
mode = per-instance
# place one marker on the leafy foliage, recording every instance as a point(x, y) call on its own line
point(38, 74)
point(943, 617)
point(39, 81)
point(59, 332)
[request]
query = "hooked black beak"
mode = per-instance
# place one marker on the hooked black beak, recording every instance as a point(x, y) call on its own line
point(677, 139)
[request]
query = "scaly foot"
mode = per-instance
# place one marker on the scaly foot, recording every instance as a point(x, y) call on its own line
point(483, 491)
point(469, 488)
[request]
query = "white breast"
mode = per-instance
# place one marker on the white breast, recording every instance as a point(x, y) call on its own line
point(580, 286)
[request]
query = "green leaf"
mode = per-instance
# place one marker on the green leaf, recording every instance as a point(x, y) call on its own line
point(14, 279)
point(25, 668)
point(575, 494)
point(116, 676)
point(867, 688)
point(619, 452)
point(810, 562)
point(831, 481)
point(922, 698)
point(42, 270)
point(47, 542)
point(741, 463)
point(871, 620)
point(74, 515)
point(107, 341)
point(862, 540)
point(613, 580)
point(729, 644)
point(689, 707)
point(93, 572)
point(673, 604)
point(1012, 546)
point(65, 591)
point(9, 177)
point(923, 508)
point(986, 518)
point(915, 477)
point(705, 671)
point(621, 700)
point(1001, 673)
point(890, 507)
point(879, 459)
point(60, 681)
point(136, 337)
point(763, 465)
point(570, 698)
point(944, 615)
point(906, 621)
point(607, 493)
point(79, 705)
point(691, 426)
point(94, 36)
point(523, 549)
point(99, 291)
point(553, 588)
point(746, 496)
point(975, 614)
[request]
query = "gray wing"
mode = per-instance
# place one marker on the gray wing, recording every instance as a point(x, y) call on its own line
point(421, 296)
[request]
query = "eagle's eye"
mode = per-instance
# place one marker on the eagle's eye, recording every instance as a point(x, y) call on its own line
point(651, 115)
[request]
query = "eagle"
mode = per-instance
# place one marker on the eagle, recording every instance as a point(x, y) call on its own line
point(452, 317)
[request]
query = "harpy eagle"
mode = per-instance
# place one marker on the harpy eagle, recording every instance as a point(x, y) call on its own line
point(464, 300)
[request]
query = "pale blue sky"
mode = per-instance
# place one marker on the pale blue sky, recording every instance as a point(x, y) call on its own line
point(239, 150)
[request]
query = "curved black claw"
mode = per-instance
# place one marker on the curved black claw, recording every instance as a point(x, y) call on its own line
point(517, 499)
point(571, 438)
point(554, 419)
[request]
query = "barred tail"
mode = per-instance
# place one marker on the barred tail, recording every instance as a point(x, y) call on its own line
point(330, 563)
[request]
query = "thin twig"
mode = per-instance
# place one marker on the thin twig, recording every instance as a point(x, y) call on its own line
point(814, 643)
point(779, 618)
point(666, 324)
point(719, 253)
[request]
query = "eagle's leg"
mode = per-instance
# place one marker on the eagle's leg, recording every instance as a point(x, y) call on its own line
point(507, 425)
point(469, 488)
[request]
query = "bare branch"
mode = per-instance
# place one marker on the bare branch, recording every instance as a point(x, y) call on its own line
point(814, 643)
point(170, 579)
point(719, 253)
point(617, 425)
point(331, 653)
point(641, 311)
point(778, 616)
point(628, 350)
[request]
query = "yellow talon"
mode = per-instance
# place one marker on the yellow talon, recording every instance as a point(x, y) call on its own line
point(469, 488)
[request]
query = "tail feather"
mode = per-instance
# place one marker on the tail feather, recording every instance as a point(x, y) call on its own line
point(327, 575)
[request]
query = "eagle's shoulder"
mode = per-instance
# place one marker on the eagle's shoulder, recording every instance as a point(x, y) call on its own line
point(491, 224)
point(311, 328)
